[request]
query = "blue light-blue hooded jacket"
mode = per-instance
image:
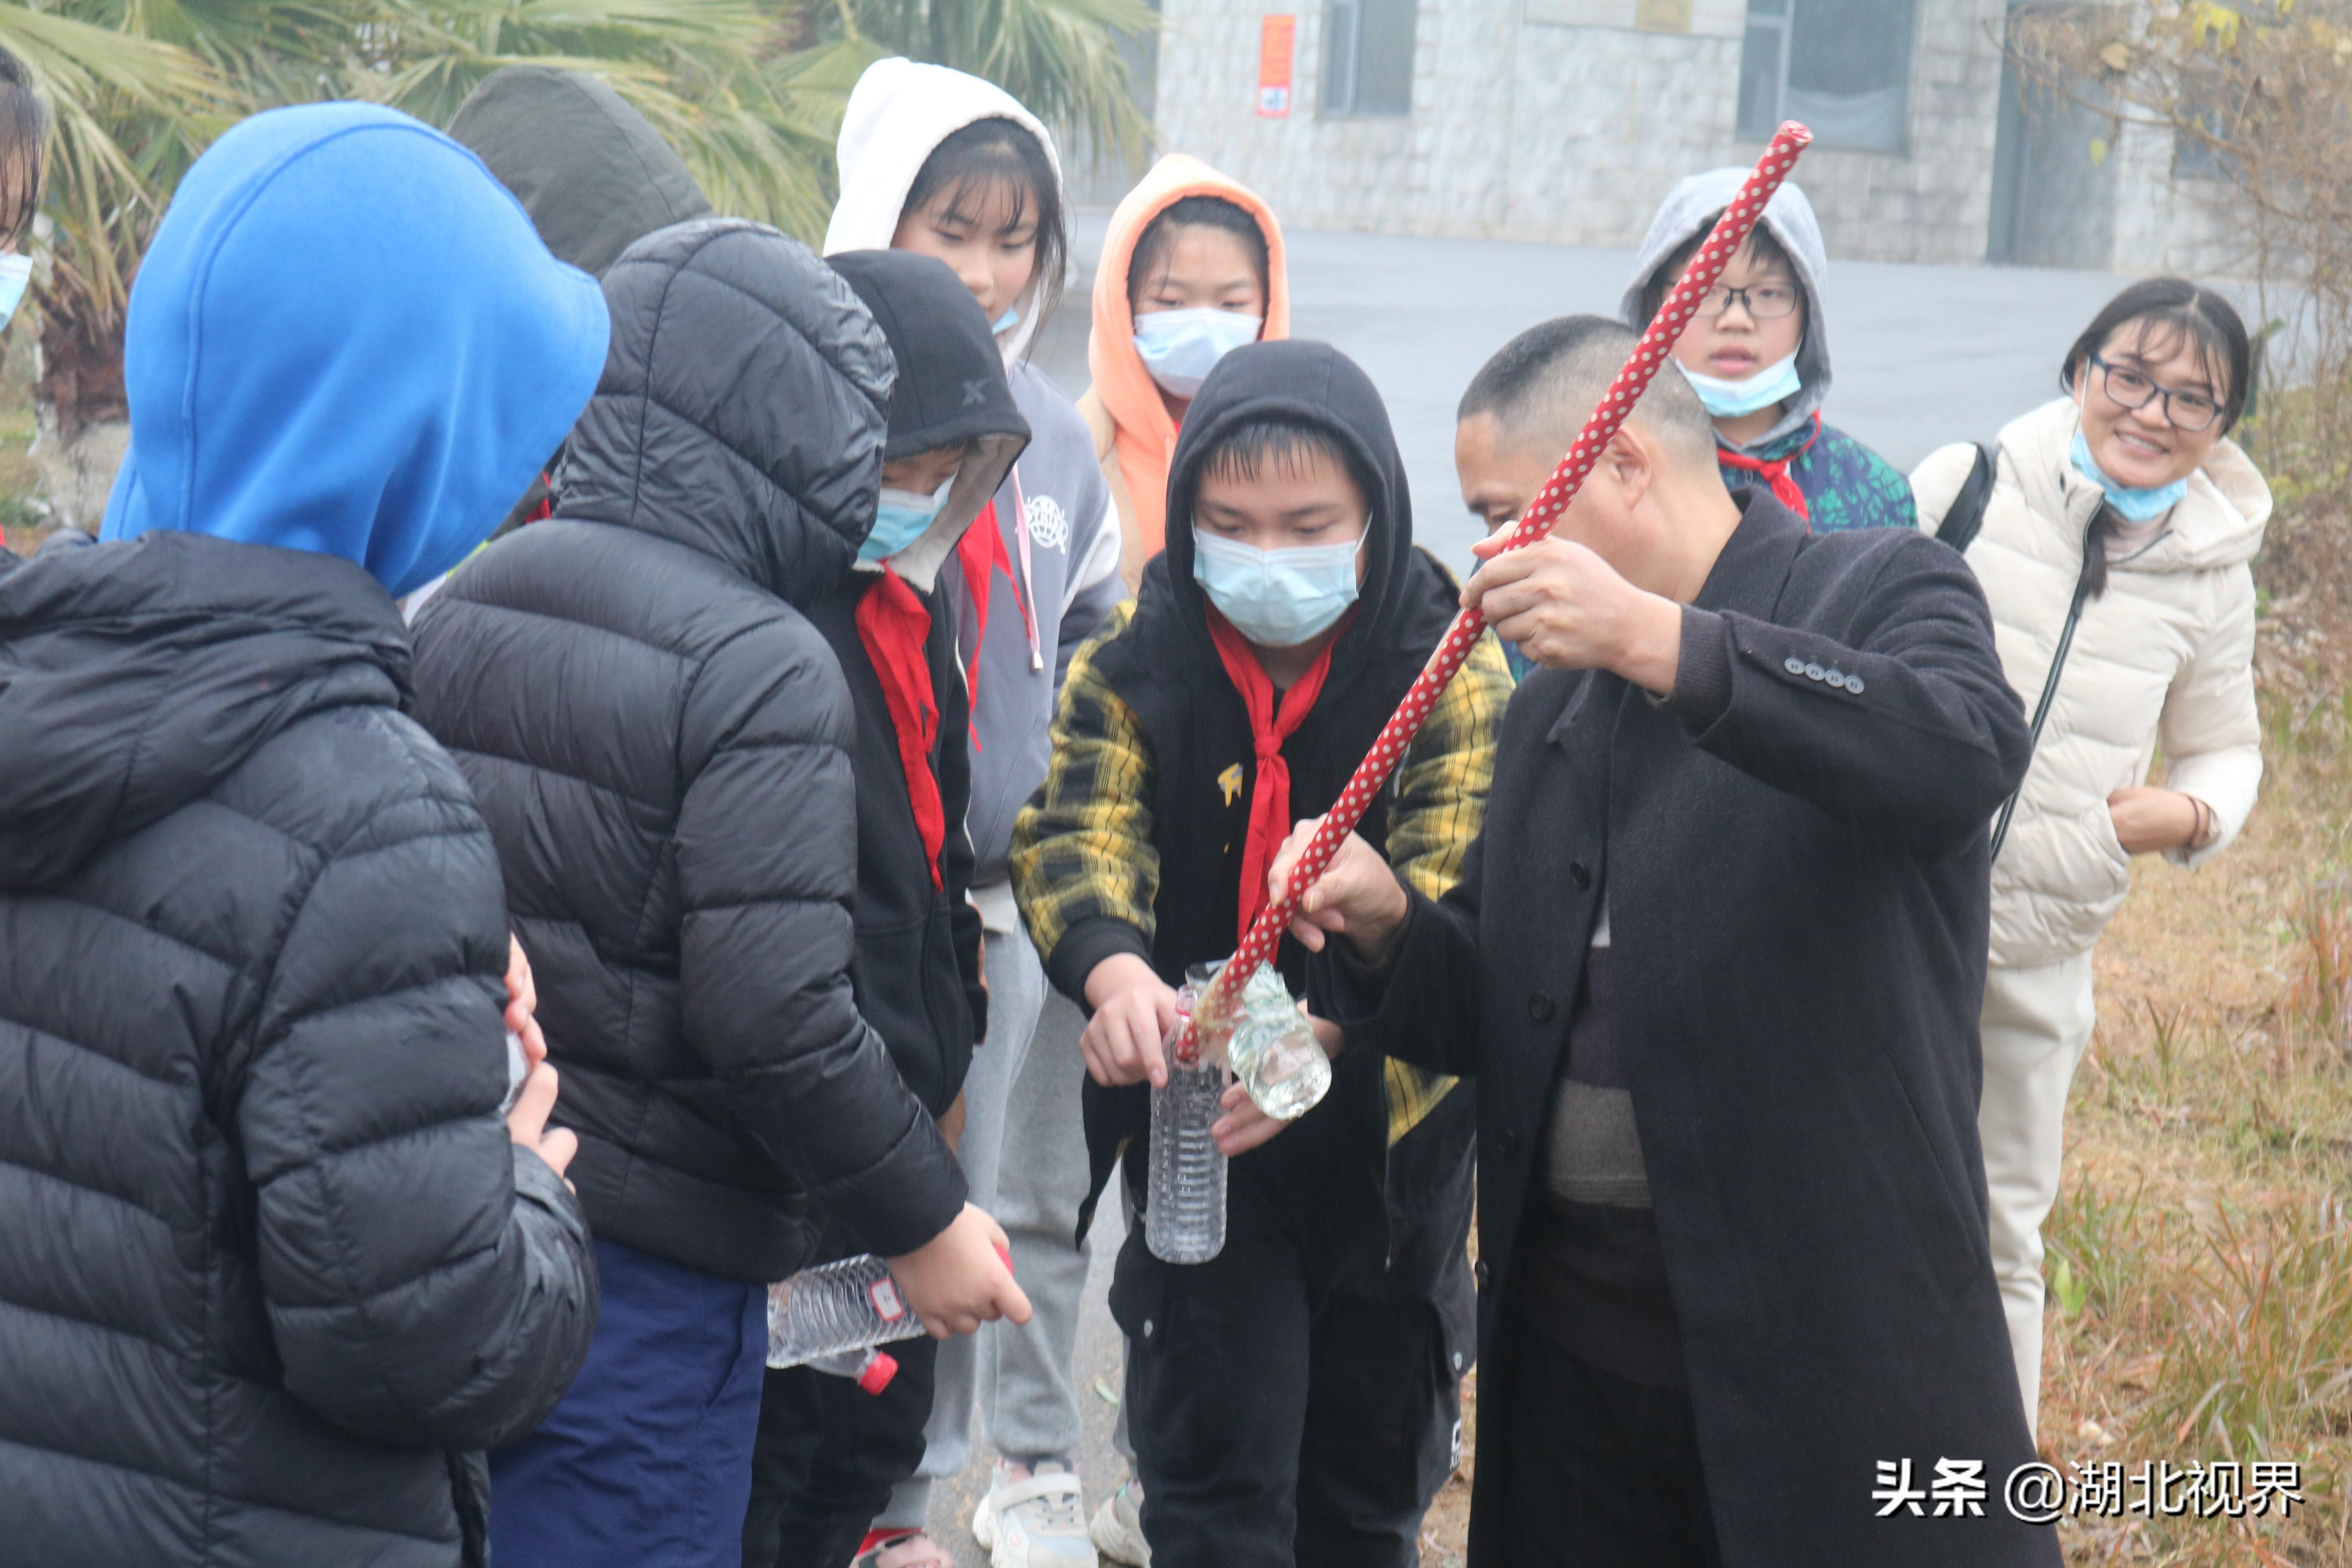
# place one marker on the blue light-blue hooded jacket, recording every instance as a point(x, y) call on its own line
point(273, 1274)
point(348, 339)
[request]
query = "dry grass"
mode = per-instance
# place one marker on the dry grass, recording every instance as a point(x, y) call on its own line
point(2200, 1264)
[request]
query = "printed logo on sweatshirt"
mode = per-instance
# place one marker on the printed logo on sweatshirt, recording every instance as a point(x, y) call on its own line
point(1049, 525)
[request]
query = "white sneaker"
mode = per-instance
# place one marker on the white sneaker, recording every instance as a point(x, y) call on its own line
point(1118, 1529)
point(1037, 1520)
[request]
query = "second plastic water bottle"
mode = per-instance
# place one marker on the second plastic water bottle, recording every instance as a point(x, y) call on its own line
point(1184, 1207)
point(840, 1306)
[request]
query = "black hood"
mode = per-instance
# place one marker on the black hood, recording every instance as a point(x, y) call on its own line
point(951, 387)
point(743, 407)
point(593, 175)
point(1315, 385)
point(134, 677)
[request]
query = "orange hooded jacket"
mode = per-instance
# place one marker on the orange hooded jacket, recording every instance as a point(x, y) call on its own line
point(1134, 436)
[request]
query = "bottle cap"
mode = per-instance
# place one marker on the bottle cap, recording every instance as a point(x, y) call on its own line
point(879, 1369)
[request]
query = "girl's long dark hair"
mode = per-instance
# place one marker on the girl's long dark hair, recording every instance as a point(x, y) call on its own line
point(24, 148)
point(2171, 312)
point(997, 153)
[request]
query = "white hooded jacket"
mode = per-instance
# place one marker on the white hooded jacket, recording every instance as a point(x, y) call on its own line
point(2165, 656)
point(1052, 511)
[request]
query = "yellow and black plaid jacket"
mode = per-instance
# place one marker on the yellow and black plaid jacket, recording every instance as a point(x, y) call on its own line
point(1083, 848)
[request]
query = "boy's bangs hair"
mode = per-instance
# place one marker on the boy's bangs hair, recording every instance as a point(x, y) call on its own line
point(998, 155)
point(1762, 244)
point(1288, 446)
point(2171, 312)
point(24, 143)
point(1154, 246)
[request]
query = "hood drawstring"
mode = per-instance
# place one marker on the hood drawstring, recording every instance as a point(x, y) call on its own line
point(1025, 587)
point(1269, 811)
point(981, 553)
point(893, 623)
point(1774, 472)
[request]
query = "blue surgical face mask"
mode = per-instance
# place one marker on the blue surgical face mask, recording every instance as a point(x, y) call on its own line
point(16, 272)
point(1007, 321)
point(903, 516)
point(1276, 598)
point(1181, 347)
point(1730, 399)
point(2137, 506)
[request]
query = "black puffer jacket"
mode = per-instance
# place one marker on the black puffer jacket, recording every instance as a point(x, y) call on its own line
point(269, 1263)
point(660, 742)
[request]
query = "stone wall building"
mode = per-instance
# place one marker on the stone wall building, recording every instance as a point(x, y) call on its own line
point(1567, 120)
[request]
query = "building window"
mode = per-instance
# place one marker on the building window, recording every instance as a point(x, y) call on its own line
point(1842, 67)
point(1368, 56)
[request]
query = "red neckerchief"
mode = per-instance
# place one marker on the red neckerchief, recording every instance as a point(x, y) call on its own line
point(893, 624)
point(1269, 813)
point(1776, 472)
point(980, 551)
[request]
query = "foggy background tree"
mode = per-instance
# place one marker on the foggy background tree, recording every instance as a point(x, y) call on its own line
point(749, 91)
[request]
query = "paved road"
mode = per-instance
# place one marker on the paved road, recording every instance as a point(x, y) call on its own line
point(1924, 355)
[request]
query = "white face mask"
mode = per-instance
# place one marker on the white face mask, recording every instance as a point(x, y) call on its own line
point(1775, 383)
point(1181, 347)
point(1276, 598)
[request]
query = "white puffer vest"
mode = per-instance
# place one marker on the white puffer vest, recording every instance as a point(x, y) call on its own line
point(2166, 655)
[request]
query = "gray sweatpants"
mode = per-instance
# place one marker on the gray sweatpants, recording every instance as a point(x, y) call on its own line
point(1025, 1155)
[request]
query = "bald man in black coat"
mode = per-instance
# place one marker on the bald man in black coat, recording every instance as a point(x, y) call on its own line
point(1716, 963)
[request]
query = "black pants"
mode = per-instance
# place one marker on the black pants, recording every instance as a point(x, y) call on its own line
point(1277, 1421)
point(1600, 1473)
point(828, 1455)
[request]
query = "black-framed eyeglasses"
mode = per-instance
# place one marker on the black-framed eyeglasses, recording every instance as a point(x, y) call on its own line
point(1765, 301)
point(2190, 411)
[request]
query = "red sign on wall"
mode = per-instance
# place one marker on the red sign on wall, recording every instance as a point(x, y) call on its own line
point(1276, 36)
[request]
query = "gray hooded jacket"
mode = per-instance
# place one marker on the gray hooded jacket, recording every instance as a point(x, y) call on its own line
point(1687, 209)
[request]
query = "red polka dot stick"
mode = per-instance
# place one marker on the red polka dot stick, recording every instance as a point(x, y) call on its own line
point(1649, 354)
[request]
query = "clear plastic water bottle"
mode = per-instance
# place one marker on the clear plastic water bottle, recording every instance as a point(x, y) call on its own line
point(1273, 1051)
point(1184, 1205)
point(837, 1309)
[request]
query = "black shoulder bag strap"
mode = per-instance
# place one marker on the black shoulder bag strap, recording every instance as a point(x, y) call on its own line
point(1966, 514)
point(2042, 710)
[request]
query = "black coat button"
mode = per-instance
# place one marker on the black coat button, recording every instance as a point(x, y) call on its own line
point(1507, 1141)
point(1580, 875)
point(1481, 1273)
point(1539, 1006)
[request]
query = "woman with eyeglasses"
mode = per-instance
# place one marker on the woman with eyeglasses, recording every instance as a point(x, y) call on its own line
point(2112, 547)
point(1757, 353)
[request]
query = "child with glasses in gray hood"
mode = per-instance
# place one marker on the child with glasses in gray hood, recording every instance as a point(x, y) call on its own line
point(1757, 354)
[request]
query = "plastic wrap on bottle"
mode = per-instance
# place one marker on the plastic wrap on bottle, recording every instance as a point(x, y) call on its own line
point(1273, 1051)
point(836, 1309)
